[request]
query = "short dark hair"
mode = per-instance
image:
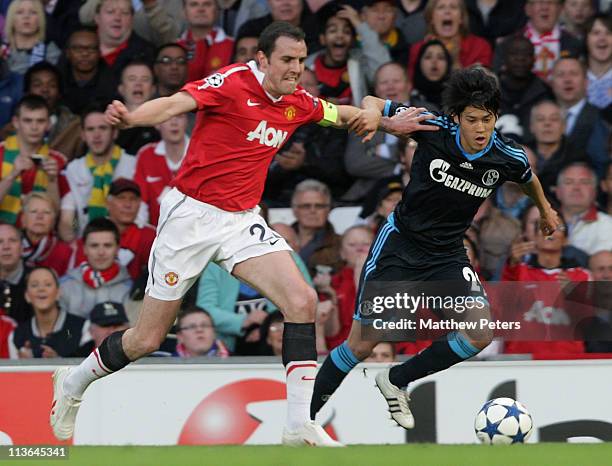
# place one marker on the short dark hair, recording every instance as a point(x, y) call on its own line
point(37, 68)
point(176, 45)
point(101, 224)
point(88, 29)
point(471, 87)
point(267, 39)
point(93, 107)
point(136, 62)
point(192, 309)
point(42, 267)
point(31, 102)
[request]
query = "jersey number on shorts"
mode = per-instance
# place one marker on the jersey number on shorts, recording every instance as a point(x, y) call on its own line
point(262, 233)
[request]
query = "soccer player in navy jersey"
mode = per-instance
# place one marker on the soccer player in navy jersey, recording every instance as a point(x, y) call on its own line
point(245, 113)
point(461, 159)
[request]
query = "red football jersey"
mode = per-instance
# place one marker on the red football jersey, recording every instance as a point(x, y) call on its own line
point(153, 174)
point(239, 128)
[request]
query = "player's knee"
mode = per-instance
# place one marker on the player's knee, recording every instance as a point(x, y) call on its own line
point(302, 305)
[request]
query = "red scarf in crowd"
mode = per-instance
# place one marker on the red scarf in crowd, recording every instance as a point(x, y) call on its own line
point(95, 279)
point(34, 253)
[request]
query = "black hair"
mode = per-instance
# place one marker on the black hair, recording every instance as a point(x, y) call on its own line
point(471, 87)
point(432, 90)
point(176, 45)
point(32, 102)
point(93, 107)
point(137, 62)
point(191, 309)
point(37, 68)
point(101, 224)
point(90, 29)
point(267, 39)
point(328, 11)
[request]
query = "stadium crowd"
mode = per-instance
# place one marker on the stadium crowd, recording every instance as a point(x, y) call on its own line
point(79, 199)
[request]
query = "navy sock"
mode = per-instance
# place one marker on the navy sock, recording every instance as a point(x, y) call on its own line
point(442, 354)
point(331, 374)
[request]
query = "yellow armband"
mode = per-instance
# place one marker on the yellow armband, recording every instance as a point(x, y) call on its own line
point(330, 113)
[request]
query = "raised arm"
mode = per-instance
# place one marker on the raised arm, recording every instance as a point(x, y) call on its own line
point(150, 113)
point(549, 217)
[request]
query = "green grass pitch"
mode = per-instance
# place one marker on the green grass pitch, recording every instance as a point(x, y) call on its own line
point(543, 454)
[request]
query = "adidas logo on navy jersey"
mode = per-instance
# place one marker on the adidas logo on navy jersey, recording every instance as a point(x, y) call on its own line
point(467, 165)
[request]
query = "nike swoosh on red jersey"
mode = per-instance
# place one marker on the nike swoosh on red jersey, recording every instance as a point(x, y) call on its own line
point(250, 103)
point(153, 179)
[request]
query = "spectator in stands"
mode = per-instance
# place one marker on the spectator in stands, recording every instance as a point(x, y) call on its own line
point(548, 38)
point(606, 187)
point(380, 16)
point(584, 124)
point(314, 151)
point(599, 59)
point(170, 69)
point(575, 15)
point(386, 200)
point(7, 325)
point(100, 278)
point(40, 245)
point(546, 265)
point(158, 162)
point(119, 44)
point(208, 46)
point(552, 149)
point(383, 352)
point(379, 158)
point(28, 164)
point(196, 335)
point(447, 21)
point(354, 247)
point(135, 88)
point(86, 76)
point(51, 332)
point(524, 245)
point(12, 275)
point(25, 35)
point(45, 80)
point(106, 318)
point(411, 19)
point(245, 49)
point(292, 11)
point(589, 229)
point(318, 242)
point(493, 19)
point(11, 85)
point(520, 87)
point(598, 332)
point(271, 341)
point(90, 177)
point(135, 242)
point(432, 70)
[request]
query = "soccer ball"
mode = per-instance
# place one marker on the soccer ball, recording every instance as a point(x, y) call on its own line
point(503, 421)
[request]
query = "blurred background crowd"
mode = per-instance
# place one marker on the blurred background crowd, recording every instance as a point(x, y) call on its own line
point(79, 199)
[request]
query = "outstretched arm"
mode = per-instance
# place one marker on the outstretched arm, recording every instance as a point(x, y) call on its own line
point(549, 217)
point(150, 113)
point(344, 116)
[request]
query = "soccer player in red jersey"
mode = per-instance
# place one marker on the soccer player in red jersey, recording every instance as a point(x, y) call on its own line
point(245, 114)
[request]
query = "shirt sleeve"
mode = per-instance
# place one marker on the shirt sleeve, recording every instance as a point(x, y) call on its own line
point(209, 92)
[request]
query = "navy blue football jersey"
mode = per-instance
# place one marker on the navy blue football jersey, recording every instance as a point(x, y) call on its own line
point(448, 185)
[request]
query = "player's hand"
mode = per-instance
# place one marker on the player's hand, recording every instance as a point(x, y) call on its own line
point(365, 123)
point(117, 114)
point(51, 167)
point(550, 222)
point(409, 121)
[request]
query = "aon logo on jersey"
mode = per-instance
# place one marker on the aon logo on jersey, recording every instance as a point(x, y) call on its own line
point(270, 137)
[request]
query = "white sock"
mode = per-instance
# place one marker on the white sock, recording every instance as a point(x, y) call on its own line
point(80, 377)
point(300, 384)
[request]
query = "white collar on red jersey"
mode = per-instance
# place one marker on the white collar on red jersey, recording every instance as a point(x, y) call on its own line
point(160, 149)
point(260, 77)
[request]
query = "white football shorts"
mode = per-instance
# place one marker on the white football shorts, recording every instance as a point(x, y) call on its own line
point(191, 233)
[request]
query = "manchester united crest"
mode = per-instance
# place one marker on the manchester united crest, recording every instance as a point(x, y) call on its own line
point(171, 278)
point(290, 112)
